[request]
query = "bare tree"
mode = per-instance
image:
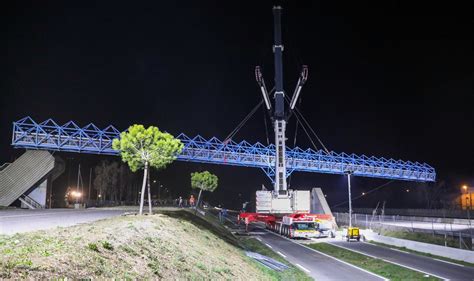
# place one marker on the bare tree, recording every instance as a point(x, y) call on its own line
point(106, 179)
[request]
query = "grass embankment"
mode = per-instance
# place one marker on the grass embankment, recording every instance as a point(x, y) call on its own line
point(377, 266)
point(423, 254)
point(175, 245)
point(251, 244)
point(423, 237)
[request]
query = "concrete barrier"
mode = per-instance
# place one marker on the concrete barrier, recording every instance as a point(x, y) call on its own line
point(448, 252)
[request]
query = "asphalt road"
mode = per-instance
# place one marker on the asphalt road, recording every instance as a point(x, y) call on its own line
point(16, 221)
point(431, 266)
point(315, 264)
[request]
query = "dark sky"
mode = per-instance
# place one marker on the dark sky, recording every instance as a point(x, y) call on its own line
point(386, 79)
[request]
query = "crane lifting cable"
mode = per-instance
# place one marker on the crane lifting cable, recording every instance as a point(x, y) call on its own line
point(304, 123)
point(242, 123)
point(311, 129)
point(266, 127)
point(307, 133)
point(294, 145)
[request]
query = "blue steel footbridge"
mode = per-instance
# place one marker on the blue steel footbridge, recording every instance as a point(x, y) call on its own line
point(70, 137)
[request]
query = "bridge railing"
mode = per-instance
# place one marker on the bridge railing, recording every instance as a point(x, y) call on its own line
point(90, 139)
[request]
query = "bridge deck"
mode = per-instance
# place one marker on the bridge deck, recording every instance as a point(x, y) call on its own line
point(69, 137)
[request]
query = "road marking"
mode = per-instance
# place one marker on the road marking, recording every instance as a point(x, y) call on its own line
point(385, 260)
point(331, 257)
point(281, 254)
point(258, 238)
point(269, 246)
point(58, 212)
point(300, 266)
point(399, 251)
point(31, 215)
point(453, 263)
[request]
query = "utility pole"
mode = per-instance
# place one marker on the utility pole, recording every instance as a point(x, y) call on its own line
point(350, 197)
point(78, 181)
point(90, 184)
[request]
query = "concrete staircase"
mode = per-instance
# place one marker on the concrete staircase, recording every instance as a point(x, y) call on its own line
point(20, 176)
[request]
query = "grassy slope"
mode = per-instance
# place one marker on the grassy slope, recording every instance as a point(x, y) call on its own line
point(377, 266)
point(169, 245)
point(211, 221)
point(159, 246)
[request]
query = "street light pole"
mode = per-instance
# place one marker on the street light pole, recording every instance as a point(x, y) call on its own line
point(467, 190)
point(350, 197)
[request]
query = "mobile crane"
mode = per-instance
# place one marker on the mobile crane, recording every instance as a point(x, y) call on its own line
point(284, 210)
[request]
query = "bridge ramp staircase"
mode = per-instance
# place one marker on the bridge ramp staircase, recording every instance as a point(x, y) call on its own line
point(19, 177)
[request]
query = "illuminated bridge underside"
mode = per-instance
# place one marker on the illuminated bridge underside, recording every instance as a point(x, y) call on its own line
point(89, 139)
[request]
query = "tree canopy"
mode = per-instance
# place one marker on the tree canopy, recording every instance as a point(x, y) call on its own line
point(139, 145)
point(142, 148)
point(204, 180)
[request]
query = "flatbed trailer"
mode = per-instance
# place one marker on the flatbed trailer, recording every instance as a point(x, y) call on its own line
point(298, 225)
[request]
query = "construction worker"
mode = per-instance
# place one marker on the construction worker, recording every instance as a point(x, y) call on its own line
point(224, 212)
point(191, 201)
point(244, 206)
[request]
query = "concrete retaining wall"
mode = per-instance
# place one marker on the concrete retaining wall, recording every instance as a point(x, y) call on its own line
point(456, 254)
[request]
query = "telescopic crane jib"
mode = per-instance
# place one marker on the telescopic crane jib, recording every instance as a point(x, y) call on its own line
point(278, 113)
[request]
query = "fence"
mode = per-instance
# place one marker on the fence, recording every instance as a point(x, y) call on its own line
point(437, 213)
point(458, 233)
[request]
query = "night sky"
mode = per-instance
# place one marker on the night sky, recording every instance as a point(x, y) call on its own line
point(385, 79)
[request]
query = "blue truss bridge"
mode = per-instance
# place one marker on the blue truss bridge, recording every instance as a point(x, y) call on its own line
point(48, 135)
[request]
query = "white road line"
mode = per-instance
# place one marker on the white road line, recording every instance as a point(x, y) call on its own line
point(405, 252)
point(269, 246)
point(331, 257)
point(300, 266)
point(453, 263)
point(392, 262)
point(281, 254)
point(60, 212)
point(258, 238)
point(35, 215)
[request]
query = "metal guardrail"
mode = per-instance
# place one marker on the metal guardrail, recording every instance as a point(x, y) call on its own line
point(437, 213)
point(4, 166)
point(30, 202)
point(461, 231)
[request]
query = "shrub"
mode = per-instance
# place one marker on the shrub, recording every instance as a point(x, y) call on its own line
point(107, 245)
point(93, 247)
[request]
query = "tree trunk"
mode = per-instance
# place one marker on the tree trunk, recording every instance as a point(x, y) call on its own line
point(142, 195)
point(199, 198)
point(149, 195)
